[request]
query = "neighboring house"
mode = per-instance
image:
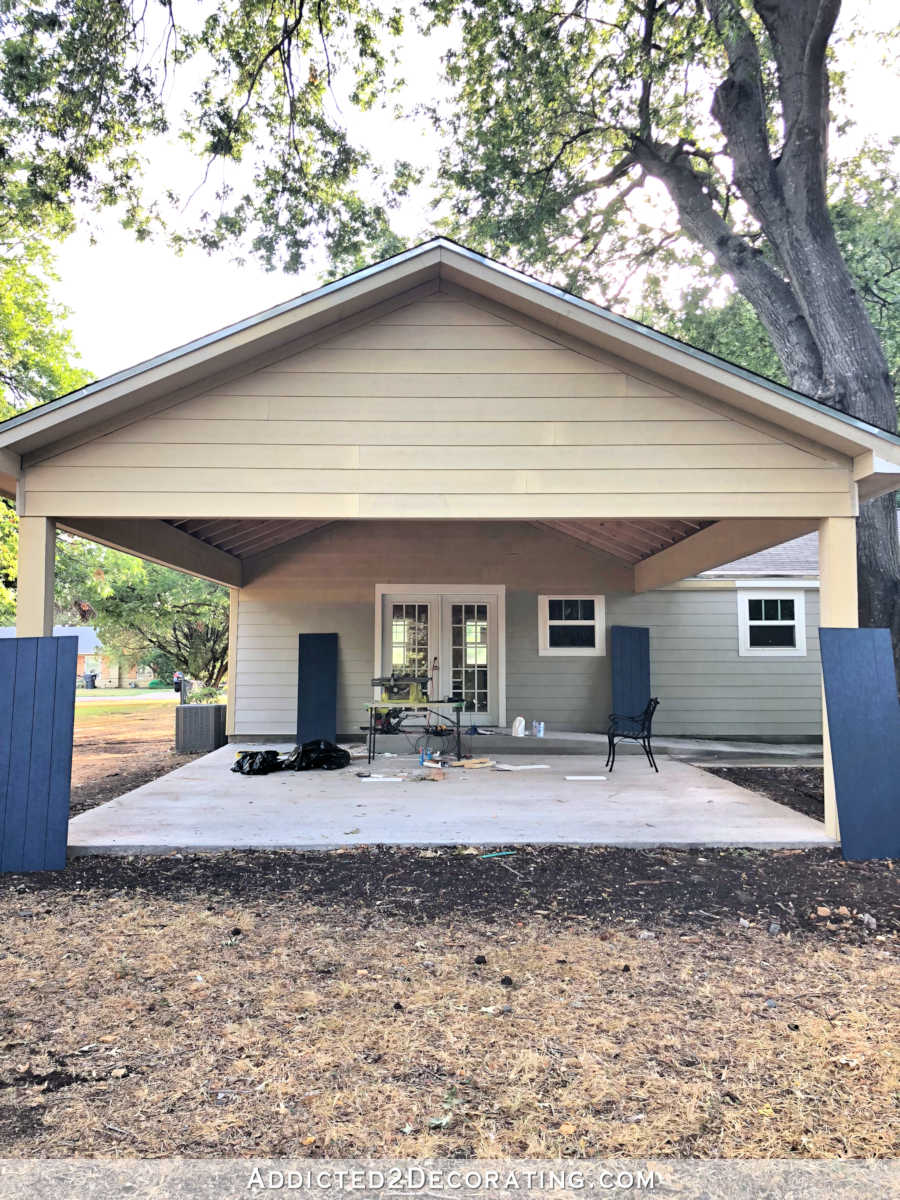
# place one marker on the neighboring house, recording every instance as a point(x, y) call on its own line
point(442, 459)
point(91, 658)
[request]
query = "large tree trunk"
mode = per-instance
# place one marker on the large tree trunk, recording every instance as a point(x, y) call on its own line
point(879, 567)
point(805, 297)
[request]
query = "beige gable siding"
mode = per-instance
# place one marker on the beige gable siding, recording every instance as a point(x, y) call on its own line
point(442, 409)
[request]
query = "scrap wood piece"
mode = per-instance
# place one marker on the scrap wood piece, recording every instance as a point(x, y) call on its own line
point(476, 764)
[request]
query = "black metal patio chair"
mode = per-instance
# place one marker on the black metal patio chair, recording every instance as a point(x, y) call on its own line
point(637, 728)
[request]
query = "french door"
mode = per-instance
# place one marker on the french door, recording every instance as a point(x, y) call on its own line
point(452, 636)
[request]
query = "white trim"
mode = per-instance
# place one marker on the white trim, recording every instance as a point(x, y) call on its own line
point(494, 591)
point(545, 650)
point(745, 650)
point(713, 582)
point(769, 584)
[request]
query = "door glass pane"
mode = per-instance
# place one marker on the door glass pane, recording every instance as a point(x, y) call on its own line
point(409, 639)
point(469, 639)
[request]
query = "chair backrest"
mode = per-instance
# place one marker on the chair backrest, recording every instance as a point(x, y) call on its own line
point(647, 714)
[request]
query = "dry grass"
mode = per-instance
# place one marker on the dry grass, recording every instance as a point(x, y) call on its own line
point(154, 1026)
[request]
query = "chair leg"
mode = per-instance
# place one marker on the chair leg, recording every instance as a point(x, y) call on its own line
point(649, 752)
point(611, 761)
point(610, 750)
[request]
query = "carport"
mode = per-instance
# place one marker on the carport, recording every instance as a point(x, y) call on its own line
point(466, 423)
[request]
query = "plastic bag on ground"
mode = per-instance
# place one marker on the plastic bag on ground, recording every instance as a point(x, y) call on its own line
point(317, 755)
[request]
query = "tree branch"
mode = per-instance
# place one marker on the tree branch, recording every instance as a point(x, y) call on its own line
point(799, 34)
point(769, 294)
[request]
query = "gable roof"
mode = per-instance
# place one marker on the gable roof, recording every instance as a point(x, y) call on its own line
point(274, 332)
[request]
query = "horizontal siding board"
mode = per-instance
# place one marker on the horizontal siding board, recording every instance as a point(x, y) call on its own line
point(662, 433)
point(440, 312)
point(466, 481)
point(225, 502)
point(332, 359)
point(382, 336)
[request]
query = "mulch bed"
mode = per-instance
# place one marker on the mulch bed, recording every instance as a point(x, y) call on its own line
point(812, 892)
point(799, 788)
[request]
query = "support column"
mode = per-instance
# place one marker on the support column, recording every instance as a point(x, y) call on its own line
point(838, 609)
point(37, 573)
point(234, 596)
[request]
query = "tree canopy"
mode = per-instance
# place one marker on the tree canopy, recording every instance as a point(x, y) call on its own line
point(144, 613)
point(257, 89)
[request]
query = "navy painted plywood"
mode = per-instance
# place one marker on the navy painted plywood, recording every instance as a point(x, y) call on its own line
point(37, 713)
point(629, 650)
point(317, 687)
point(864, 730)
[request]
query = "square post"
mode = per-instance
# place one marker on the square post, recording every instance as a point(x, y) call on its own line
point(234, 600)
point(37, 573)
point(839, 609)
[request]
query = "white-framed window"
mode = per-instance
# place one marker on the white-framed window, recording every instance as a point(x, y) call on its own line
point(771, 624)
point(571, 626)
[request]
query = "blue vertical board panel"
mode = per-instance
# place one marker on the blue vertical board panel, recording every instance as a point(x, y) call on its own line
point(629, 649)
point(864, 730)
point(61, 751)
point(37, 710)
point(317, 687)
point(7, 679)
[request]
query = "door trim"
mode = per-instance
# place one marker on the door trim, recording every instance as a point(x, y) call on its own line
point(495, 591)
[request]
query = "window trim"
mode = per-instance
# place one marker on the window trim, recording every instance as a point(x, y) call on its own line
point(545, 650)
point(744, 596)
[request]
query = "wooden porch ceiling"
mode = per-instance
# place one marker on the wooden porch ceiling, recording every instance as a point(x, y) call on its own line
point(628, 540)
point(244, 538)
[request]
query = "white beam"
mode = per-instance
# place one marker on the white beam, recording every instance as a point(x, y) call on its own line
point(160, 543)
point(720, 543)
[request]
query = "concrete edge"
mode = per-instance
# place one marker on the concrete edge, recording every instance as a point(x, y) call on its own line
point(151, 851)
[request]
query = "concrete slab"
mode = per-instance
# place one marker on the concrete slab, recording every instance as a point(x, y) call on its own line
point(205, 807)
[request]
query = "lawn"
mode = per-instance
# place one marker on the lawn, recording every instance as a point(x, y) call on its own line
point(422, 1003)
point(120, 745)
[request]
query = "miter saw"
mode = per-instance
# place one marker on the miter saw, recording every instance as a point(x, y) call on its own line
point(403, 689)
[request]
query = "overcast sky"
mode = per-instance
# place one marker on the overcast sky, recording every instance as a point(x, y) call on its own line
point(131, 300)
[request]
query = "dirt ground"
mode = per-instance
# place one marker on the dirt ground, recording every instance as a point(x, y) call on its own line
point(548, 1002)
point(119, 746)
point(427, 1003)
point(800, 788)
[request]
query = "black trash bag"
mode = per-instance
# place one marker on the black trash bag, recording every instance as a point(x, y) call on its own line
point(317, 755)
point(257, 762)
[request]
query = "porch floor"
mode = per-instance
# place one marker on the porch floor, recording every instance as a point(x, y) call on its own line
point(204, 807)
